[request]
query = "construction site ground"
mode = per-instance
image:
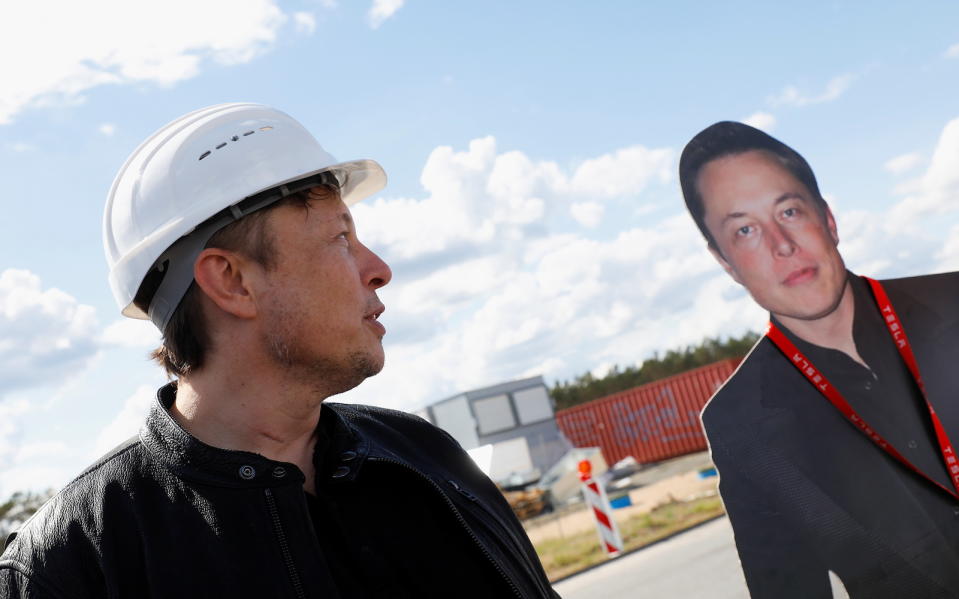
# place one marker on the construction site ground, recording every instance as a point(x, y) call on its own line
point(677, 479)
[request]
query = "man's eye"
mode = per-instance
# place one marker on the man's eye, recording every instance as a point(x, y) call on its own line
point(790, 212)
point(744, 230)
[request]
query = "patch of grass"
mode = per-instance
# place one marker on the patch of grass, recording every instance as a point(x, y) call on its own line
point(562, 557)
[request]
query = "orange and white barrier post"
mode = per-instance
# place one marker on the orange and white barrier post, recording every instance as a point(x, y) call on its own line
point(596, 498)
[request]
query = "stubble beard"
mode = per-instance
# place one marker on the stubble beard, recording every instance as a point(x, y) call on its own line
point(329, 376)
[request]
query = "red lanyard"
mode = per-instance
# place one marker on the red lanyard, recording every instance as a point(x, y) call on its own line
point(832, 394)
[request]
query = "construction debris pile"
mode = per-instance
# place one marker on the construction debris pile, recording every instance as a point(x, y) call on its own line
point(526, 504)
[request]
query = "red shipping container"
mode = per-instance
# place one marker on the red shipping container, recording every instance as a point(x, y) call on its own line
point(652, 422)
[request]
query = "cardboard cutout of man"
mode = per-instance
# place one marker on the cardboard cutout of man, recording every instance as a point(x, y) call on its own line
point(827, 450)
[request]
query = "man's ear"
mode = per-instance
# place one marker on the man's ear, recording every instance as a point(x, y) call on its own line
point(722, 262)
point(225, 278)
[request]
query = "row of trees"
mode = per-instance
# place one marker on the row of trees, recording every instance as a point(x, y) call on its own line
point(587, 387)
point(16, 510)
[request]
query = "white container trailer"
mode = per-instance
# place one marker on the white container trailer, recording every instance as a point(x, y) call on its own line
point(515, 419)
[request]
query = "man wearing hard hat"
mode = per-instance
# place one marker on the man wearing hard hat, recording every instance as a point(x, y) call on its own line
point(229, 228)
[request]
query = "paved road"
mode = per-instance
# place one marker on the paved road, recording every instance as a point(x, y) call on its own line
point(698, 563)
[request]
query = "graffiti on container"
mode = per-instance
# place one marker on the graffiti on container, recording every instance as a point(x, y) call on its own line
point(650, 422)
point(662, 420)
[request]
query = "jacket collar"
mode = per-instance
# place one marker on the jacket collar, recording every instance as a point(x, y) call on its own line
point(776, 364)
point(192, 459)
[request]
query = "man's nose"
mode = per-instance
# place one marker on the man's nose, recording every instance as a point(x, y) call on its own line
point(377, 272)
point(780, 242)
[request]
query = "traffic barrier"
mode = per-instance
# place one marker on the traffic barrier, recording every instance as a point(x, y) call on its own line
point(595, 496)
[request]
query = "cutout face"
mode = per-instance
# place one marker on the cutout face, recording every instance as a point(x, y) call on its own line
point(771, 235)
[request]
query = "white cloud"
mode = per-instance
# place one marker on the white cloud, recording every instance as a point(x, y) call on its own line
point(601, 370)
point(444, 291)
point(792, 96)
point(127, 422)
point(107, 129)
point(20, 147)
point(917, 234)
point(43, 449)
point(45, 334)
point(116, 42)
point(588, 214)
point(133, 333)
point(948, 256)
point(761, 120)
point(10, 413)
point(33, 477)
point(381, 10)
point(305, 22)
point(937, 190)
point(478, 196)
point(902, 163)
point(624, 172)
point(952, 51)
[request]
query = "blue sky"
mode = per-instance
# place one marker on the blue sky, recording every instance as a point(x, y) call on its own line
point(533, 219)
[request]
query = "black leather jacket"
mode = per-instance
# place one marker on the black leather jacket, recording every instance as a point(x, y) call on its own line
point(165, 515)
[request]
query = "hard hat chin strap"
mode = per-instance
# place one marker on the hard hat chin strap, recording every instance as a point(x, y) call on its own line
point(174, 267)
point(176, 264)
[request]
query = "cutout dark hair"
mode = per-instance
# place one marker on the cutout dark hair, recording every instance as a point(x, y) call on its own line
point(728, 138)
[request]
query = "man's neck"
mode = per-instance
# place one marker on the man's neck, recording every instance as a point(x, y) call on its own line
point(251, 409)
point(833, 330)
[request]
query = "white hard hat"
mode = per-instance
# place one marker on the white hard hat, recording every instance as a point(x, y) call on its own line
point(197, 174)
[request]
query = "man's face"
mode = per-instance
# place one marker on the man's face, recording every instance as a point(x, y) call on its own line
point(320, 307)
point(770, 236)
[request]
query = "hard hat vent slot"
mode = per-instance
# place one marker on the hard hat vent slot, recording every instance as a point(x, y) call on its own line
point(233, 138)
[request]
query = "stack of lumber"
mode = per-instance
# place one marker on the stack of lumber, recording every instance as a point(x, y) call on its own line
point(526, 504)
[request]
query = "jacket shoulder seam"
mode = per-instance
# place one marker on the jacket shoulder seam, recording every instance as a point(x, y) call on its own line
point(102, 463)
point(27, 572)
point(76, 481)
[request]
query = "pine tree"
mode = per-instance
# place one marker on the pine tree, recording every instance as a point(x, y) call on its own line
point(16, 510)
point(586, 387)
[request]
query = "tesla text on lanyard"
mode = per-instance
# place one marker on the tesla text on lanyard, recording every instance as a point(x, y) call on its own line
point(818, 379)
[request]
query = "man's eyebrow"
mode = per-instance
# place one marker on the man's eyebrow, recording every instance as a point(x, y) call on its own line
point(731, 216)
point(789, 195)
point(346, 217)
point(786, 196)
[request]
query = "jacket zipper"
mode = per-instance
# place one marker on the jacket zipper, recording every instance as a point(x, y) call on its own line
point(459, 517)
point(517, 544)
point(284, 545)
